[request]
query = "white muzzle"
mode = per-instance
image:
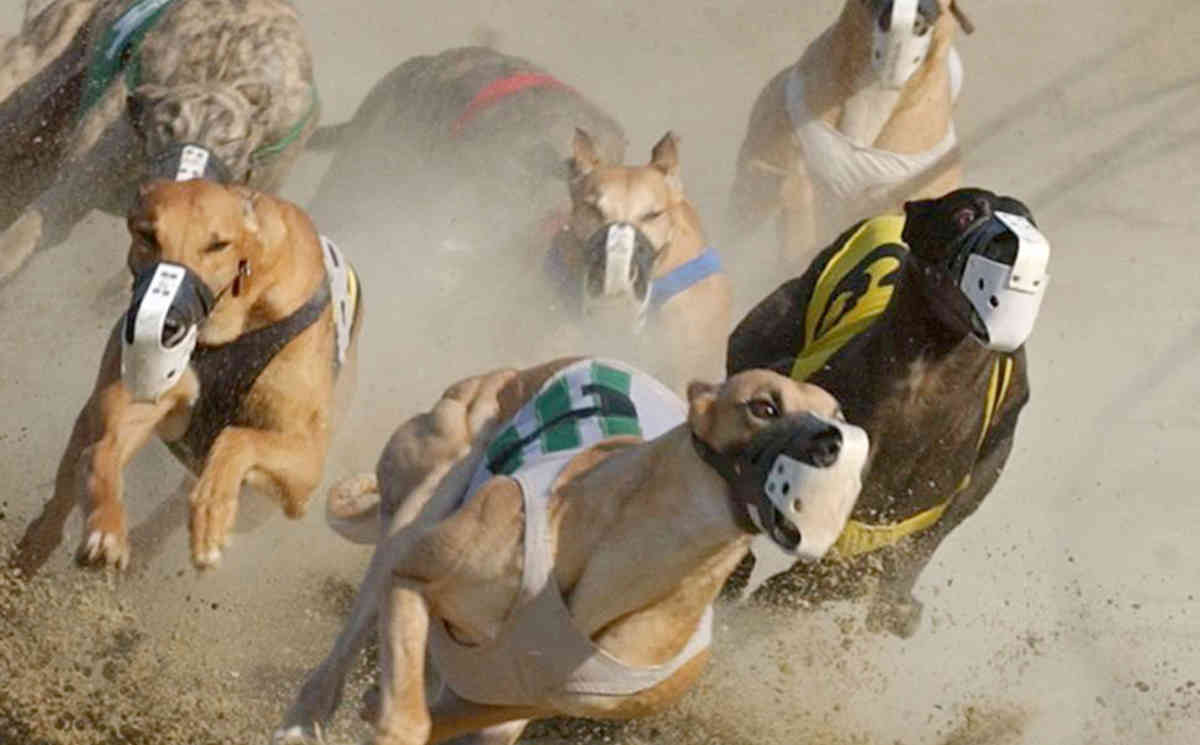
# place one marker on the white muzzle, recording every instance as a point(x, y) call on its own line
point(152, 361)
point(818, 501)
point(898, 52)
point(1007, 298)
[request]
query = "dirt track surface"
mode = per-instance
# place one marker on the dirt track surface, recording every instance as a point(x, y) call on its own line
point(1067, 610)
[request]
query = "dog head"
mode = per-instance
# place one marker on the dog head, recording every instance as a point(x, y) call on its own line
point(902, 34)
point(623, 220)
point(219, 233)
point(792, 461)
point(984, 263)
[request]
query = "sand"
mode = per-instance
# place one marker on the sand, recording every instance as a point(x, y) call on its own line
point(1066, 610)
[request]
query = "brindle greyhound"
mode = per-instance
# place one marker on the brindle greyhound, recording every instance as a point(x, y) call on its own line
point(98, 95)
point(940, 407)
point(860, 123)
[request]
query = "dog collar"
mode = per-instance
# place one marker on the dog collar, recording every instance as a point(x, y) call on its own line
point(683, 277)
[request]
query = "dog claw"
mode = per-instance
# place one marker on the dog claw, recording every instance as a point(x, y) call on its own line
point(107, 548)
point(207, 559)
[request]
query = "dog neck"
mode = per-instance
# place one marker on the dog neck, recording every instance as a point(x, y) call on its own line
point(655, 504)
point(914, 334)
point(688, 240)
point(273, 291)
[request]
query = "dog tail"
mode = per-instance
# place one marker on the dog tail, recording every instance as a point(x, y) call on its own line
point(352, 508)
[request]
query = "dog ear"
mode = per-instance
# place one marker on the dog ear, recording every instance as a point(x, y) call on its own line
point(584, 158)
point(249, 199)
point(665, 157)
point(702, 397)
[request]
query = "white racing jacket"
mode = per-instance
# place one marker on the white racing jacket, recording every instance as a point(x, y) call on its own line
point(849, 171)
point(539, 652)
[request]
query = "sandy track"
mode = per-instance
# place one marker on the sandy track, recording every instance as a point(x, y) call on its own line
point(1067, 610)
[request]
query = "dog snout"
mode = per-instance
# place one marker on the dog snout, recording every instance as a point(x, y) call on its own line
point(619, 262)
point(825, 447)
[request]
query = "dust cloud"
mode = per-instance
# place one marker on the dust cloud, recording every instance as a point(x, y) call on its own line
point(1066, 610)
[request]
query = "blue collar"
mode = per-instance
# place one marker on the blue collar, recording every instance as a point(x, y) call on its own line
point(683, 277)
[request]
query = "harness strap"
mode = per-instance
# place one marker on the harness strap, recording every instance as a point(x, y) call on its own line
point(274, 148)
point(860, 538)
point(684, 276)
point(502, 88)
point(118, 48)
point(228, 372)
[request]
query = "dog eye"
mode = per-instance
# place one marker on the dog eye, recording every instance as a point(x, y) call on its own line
point(652, 215)
point(147, 237)
point(964, 217)
point(762, 409)
point(218, 246)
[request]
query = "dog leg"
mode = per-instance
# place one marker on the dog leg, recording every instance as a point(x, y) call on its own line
point(894, 609)
point(403, 632)
point(126, 428)
point(291, 463)
point(797, 222)
point(322, 690)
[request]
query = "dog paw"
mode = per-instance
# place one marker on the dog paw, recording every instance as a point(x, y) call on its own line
point(899, 617)
point(105, 541)
point(210, 524)
point(19, 241)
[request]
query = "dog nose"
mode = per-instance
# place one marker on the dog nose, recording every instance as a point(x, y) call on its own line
point(826, 446)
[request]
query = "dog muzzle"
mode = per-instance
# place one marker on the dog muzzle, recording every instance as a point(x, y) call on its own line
point(620, 261)
point(1005, 297)
point(161, 326)
point(797, 481)
point(898, 51)
point(182, 162)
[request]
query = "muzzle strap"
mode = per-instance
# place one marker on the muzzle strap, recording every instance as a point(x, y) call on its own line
point(186, 161)
point(732, 471)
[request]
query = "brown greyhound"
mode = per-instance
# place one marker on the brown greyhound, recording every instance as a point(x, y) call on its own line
point(238, 350)
point(917, 324)
point(860, 123)
point(553, 539)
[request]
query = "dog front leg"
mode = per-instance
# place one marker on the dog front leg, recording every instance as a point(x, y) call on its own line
point(126, 426)
point(290, 464)
point(797, 221)
point(894, 608)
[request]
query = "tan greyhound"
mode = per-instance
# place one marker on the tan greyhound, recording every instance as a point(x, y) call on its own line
point(859, 124)
point(554, 539)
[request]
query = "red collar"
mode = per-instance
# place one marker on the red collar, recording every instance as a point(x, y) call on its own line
point(498, 89)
